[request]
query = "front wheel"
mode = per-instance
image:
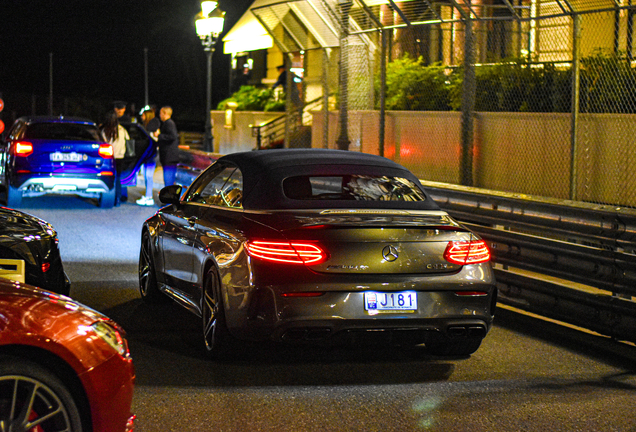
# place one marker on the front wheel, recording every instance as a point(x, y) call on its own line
point(216, 337)
point(33, 399)
point(148, 287)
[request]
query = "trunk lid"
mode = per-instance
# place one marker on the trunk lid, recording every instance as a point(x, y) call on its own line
point(378, 242)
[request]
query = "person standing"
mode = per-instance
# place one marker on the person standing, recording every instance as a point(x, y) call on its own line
point(115, 134)
point(152, 125)
point(168, 140)
point(120, 109)
point(294, 93)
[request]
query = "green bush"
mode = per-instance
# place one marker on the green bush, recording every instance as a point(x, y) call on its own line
point(518, 86)
point(250, 98)
point(412, 86)
point(607, 84)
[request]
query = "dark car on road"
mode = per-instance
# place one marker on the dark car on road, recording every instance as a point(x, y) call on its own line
point(56, 155)
point(29, 251)
point(63, 366)
point(321, 247)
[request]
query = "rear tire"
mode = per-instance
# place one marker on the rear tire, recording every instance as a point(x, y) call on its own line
point(107, 199)
point(148, 287)
point(455, 347)
point(216, 338)
point(14, 197)
point(43, 390)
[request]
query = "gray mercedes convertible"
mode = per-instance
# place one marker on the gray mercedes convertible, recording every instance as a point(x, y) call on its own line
point(321, 247)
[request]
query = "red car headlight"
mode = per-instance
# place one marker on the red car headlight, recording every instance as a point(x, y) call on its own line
point(112, 336)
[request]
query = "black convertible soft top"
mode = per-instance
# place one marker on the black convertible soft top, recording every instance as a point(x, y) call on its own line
point(264, 171)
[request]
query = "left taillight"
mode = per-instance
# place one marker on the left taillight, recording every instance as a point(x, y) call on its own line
point(22, 148)
point(286, 252)
point(467, 252)
point(106, 151)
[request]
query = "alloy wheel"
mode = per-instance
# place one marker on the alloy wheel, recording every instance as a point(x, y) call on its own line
point(27, 404)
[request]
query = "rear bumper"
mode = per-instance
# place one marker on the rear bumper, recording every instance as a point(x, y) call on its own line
point(89, 187)
point(338, 318)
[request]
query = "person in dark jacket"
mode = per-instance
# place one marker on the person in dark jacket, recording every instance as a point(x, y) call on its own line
point(120, 109)
point(168, 141)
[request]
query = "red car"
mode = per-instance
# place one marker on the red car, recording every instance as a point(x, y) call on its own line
point(63, 366)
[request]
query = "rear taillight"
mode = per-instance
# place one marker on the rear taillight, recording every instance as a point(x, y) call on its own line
point(286, 252)
point(467, 252)
point(106, 151)
point(45, 267)
point(23, 148)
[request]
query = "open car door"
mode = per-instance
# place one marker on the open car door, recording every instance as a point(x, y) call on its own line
point(139, 149)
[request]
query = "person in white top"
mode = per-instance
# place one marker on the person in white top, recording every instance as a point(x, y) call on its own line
point(115, 134)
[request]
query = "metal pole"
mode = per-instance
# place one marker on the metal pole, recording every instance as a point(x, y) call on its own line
point(383, 34)
point(208, 143)
point(325, 98)
point(343, 139)
point(576, 74)
point(145, 76)
point(50, 83)
point(469, 89)
point(287, 61)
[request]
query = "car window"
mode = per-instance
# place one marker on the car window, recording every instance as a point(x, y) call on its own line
point(352, 187)
point(221, 187)
point(62, 131)
point(17, 131)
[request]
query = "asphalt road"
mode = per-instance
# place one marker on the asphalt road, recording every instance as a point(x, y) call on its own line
point(529, 375)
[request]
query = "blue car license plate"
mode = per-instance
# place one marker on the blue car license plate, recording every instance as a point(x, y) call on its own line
point(403, 301)
point(67, 157)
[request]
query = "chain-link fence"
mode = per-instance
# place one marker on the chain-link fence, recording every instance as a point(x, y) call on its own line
point(525, 96)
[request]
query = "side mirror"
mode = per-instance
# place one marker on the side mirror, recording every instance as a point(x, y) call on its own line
point(170, 194)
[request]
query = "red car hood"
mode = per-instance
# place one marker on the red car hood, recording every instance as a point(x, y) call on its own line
point(42, 319)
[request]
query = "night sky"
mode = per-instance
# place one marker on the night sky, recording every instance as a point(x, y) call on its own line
point(98, 55)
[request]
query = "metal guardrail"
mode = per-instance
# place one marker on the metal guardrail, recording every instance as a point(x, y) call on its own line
point(570, 261)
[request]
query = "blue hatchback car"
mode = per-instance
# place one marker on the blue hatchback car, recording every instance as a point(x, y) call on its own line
point(66, 155)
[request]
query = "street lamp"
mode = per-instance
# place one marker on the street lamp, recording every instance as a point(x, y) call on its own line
point(209, 25)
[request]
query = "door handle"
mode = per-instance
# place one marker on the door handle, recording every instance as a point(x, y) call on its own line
point(192, 220)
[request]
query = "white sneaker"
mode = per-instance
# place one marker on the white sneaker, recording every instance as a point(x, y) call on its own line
point(145, 201)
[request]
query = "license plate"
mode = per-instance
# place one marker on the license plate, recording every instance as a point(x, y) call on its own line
point(390, 301)
point(67, 157)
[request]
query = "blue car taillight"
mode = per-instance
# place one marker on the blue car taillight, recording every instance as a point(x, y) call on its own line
point(22, 148)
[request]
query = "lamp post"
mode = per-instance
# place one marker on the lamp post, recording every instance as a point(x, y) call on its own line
point(209, 25)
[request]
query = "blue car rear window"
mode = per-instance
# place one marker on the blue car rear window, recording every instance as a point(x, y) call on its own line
point(62, 131)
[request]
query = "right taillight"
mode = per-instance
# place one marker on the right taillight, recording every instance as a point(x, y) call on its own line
point(23, 148)
point(106, 151)
point(286, 252)
point(467, 252)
